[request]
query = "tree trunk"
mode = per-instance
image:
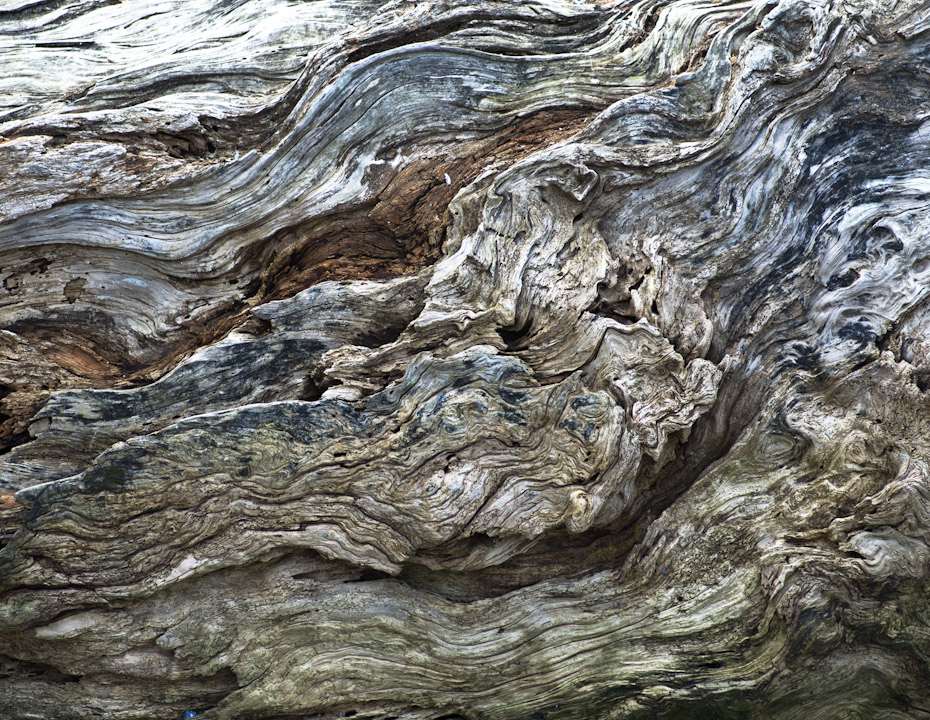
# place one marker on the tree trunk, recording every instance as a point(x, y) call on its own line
point(464, 359)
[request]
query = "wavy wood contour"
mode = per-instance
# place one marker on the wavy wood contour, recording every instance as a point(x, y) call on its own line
point(464, 359)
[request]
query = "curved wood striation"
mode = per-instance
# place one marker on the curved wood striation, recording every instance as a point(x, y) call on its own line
point(464, 359)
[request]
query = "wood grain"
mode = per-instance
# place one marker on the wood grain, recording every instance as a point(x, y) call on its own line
point(464, 359)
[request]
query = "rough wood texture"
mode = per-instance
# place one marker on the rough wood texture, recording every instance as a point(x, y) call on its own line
point(464, 359)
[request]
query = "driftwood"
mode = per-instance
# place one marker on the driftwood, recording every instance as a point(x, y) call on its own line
point(464, 359)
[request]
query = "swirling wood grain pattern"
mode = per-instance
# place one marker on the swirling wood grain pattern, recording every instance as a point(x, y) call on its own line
point(464, 359)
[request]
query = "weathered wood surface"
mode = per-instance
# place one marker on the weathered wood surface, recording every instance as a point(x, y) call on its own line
point(464, 359)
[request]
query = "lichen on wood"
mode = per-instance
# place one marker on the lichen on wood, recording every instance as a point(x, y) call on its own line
point(464, 359)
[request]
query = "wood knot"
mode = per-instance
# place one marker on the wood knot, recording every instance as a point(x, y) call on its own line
point(581, 511)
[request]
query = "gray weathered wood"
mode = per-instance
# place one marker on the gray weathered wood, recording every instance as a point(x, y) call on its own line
point(464, 358)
